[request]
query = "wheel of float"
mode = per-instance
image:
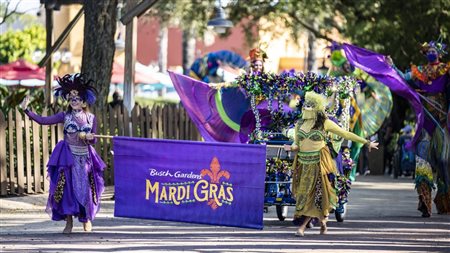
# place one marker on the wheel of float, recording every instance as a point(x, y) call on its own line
point(282, 212)
point(340, 215)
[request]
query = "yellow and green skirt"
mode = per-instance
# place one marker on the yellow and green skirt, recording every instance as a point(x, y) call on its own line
point(313, 191)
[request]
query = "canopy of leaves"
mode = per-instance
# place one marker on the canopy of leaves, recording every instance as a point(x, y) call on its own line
point(21, 44)
point(11, 98)
point(184, 13)
point(293, 16)
point(395, 28)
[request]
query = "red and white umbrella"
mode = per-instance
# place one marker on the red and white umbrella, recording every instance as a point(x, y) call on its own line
point(22, 73)
point(139, 76)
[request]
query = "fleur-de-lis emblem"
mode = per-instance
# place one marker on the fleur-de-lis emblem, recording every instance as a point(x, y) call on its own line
point(215, 174)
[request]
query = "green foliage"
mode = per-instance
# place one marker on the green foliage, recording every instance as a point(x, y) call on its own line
point(11, 98)
point(395, 28)
point(293, 16)
point(21, 44)
point(185, 13)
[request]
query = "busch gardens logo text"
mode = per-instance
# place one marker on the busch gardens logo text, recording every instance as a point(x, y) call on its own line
point(214, 192)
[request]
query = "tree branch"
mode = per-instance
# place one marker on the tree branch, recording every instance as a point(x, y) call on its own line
point(316, 33)
point(7, 15)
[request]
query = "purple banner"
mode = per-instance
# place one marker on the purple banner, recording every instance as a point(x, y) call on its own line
point(198, 182)
point(375, 64)
point(216, 113)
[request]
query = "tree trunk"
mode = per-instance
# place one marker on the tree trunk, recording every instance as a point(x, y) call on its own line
point(163, 45)
point(100, 20)
point(311, 52)
point(311, 60)
point(188, 49)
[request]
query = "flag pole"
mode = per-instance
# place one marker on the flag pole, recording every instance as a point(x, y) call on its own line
point(103, 136)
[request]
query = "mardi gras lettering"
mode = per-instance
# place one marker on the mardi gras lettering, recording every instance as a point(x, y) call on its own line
point(180, 193)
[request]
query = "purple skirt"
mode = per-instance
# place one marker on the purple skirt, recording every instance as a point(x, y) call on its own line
point(79, 178)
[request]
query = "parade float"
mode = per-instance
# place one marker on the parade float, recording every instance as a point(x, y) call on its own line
point(254, 109)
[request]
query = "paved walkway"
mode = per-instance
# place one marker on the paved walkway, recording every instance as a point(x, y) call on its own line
point(382, 217)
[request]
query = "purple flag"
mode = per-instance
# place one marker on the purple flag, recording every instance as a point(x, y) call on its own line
point(217, 114)
point(198, 182)
point(375, 65)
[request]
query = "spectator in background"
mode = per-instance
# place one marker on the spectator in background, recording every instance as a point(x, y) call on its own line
point(117, 100)
point(407, 157)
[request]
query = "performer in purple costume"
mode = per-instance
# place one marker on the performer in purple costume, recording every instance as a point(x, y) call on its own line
point(432, 82)
point(75, 170)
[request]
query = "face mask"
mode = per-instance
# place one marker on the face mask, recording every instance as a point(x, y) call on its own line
point(308, 114)
point(75, 99)
point(431, 57)
point(309, 105)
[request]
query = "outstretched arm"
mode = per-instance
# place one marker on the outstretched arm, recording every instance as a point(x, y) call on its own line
point(334, 128)
point(50, 120)
point(407, 76)
point(330, 126)
point(42, 120)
